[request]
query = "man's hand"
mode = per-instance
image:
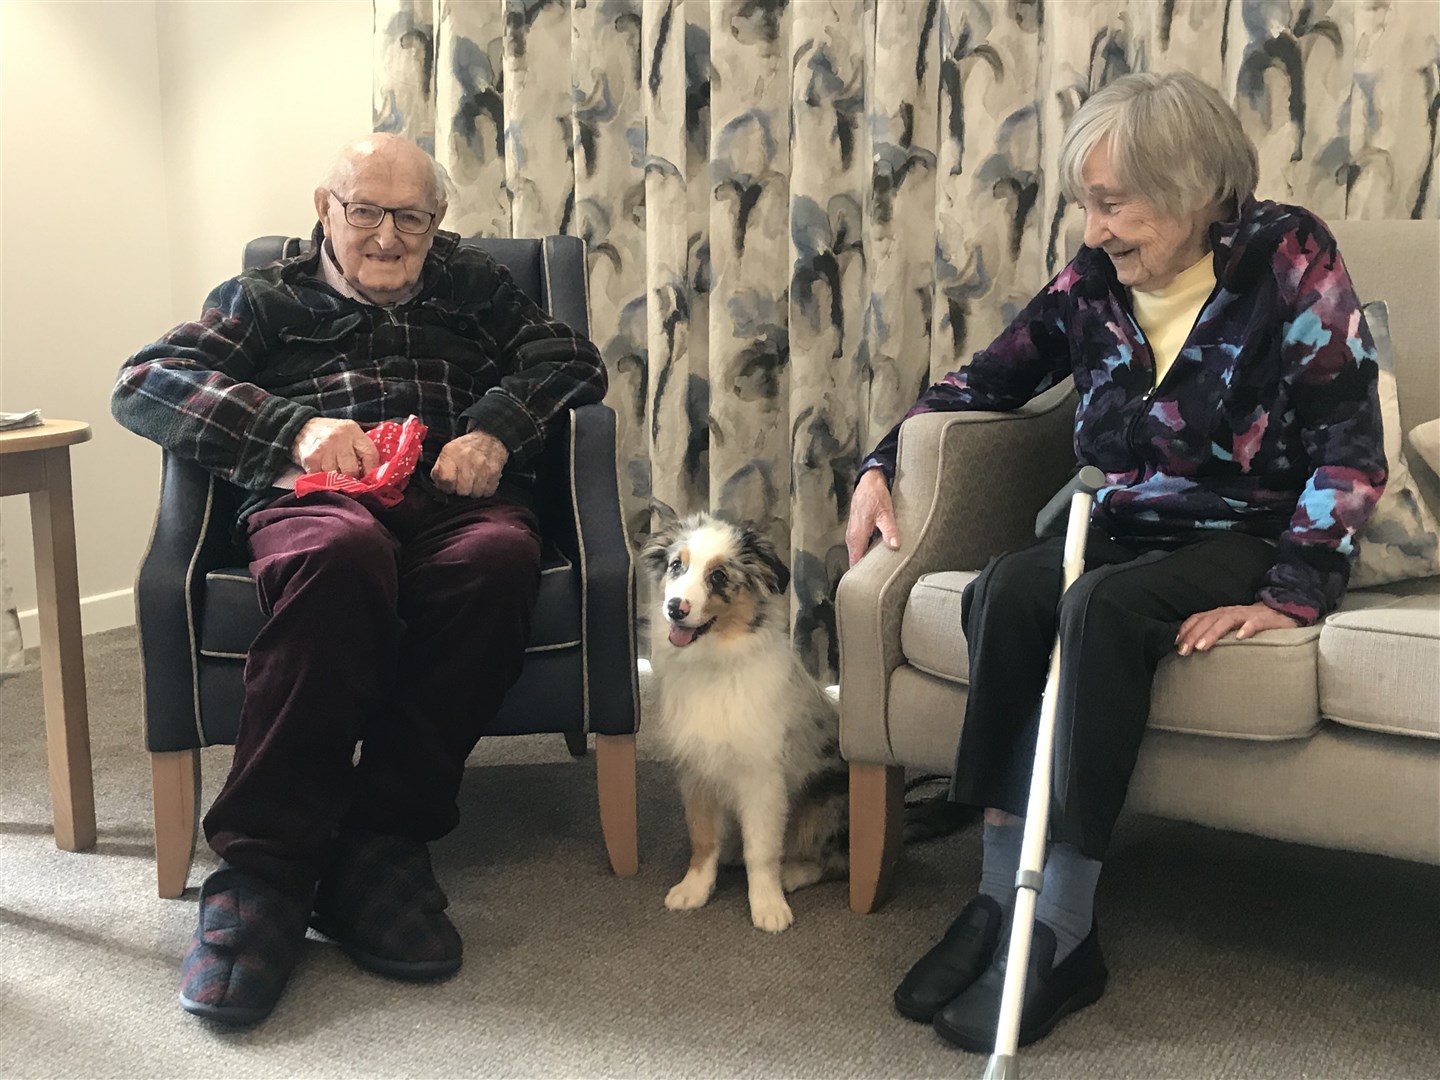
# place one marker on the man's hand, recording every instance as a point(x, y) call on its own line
point(1203, 629)
point(870, 509)
point(326, 445)
point(470, 465)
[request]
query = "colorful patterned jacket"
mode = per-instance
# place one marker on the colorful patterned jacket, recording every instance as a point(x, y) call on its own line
point(277, 346)
point(1267, 423)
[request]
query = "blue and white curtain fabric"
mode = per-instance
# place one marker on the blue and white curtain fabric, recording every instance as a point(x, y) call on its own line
point(799, 213)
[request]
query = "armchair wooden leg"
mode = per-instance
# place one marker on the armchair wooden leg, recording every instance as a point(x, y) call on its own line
point(877, 816)
point(615, 778)
point(175, 779)
point(575, 742)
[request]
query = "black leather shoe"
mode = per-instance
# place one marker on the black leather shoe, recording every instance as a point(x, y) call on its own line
point(1051, 994)
point(956, 961)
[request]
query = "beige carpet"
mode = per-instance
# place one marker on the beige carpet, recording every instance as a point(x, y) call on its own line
point(1229, 956)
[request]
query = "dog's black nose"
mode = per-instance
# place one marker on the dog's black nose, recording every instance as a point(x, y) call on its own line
point(676, 608)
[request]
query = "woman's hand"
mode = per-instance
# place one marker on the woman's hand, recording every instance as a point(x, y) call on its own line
point(870, 509)
point(1203, 629)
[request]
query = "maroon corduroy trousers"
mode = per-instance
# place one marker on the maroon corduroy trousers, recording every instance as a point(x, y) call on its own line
point(399, 629)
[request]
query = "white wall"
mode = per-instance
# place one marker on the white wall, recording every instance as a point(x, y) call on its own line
point(86, 235)
point(257, 98)
point(143, 144)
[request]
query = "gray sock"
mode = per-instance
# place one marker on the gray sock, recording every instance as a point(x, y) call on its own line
point(1002, 859)
point(1067, 900)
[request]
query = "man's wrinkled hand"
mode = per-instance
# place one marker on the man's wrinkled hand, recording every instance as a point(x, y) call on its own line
point(470, 465)
point(1203, 629)
point(326, 445)
point(870, 508)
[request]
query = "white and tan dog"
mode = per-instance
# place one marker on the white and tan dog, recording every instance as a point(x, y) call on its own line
point(754, 739)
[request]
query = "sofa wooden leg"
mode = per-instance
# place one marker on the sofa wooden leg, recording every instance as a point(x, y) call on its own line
point(615, 778)
point(175, 779)
point(877, 816)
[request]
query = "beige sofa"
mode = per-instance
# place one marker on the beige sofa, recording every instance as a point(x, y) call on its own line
point(1326, 735)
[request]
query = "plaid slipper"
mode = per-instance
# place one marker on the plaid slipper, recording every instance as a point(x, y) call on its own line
point(246, 943)
point(379, 900)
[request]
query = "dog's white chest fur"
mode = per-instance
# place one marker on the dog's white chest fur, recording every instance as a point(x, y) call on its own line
point(721, 709)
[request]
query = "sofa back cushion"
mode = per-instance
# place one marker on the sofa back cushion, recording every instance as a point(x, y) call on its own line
point(1401, 540)
point(1399, 262)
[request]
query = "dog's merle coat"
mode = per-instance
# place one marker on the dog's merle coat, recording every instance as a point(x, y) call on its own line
point(755, 740)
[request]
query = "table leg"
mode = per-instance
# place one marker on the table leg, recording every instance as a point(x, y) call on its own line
point(62, 660)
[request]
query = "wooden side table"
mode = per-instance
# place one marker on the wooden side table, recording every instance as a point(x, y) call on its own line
point(37, 460)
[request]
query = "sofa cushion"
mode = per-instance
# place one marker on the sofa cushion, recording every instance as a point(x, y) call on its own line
point(1379, 661)
point(1401, 540)
point(1262, 689)
point(1425, 440)
point(931, 636)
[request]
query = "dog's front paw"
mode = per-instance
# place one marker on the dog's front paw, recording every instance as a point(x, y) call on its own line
point(772, 914)
point(691, 893)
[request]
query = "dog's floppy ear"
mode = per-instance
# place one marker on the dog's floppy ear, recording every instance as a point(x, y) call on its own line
point(662, 514)
point(759, 551)
point(656, 552)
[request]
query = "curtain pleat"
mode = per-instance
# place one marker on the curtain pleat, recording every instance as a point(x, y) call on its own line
point(799, 213)
point(470, 115)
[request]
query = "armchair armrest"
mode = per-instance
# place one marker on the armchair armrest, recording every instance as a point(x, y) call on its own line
point(582, 518)
point(967, 487)
point(190, 538)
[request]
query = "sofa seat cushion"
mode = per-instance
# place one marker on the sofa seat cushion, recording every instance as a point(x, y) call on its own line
point(931, 636)
point(1380, 660)
point(1263, 689)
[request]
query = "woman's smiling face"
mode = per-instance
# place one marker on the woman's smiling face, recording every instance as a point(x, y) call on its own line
point(1148, 249)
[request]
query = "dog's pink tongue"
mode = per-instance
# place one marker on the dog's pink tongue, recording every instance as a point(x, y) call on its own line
point(680, 636)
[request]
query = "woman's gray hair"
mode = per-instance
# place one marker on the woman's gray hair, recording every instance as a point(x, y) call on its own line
point(1174, 141)
point(342, 172)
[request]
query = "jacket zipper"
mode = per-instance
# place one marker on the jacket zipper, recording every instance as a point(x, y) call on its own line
point(1144, 339)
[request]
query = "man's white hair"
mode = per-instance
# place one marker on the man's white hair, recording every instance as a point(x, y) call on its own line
point(1174, 141)
point(341, 176)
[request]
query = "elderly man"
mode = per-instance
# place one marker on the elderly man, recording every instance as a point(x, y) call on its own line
point(397, 625)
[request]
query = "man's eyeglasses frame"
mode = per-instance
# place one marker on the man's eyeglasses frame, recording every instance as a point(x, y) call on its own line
point(393, 211)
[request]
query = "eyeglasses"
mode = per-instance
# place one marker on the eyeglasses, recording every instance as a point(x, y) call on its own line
point(369, 216)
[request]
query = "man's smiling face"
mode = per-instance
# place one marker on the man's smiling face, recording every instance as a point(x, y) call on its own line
point(383, 263)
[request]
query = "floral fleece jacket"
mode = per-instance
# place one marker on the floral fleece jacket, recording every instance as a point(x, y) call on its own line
point(1268, 422)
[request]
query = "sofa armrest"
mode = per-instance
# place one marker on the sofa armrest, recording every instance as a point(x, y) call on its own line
point(967, 487)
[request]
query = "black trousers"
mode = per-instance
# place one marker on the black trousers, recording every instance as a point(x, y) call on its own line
point(1115, 624)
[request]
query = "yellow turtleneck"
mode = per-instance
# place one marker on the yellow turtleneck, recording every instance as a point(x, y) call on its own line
point(1168, 314)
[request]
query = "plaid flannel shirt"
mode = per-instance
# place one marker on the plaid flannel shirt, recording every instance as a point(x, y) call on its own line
point(276, 347)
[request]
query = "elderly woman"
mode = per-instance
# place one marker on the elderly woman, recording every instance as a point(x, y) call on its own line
point(1227, 386)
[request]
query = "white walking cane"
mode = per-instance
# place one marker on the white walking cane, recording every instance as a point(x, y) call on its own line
point(1003, 1065)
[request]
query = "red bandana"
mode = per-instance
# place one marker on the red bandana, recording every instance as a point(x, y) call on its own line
point(399, 446)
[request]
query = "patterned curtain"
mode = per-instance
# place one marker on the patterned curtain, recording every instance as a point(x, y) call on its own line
point(800, 212)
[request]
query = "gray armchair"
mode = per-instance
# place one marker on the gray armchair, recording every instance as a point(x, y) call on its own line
point(198, 612)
